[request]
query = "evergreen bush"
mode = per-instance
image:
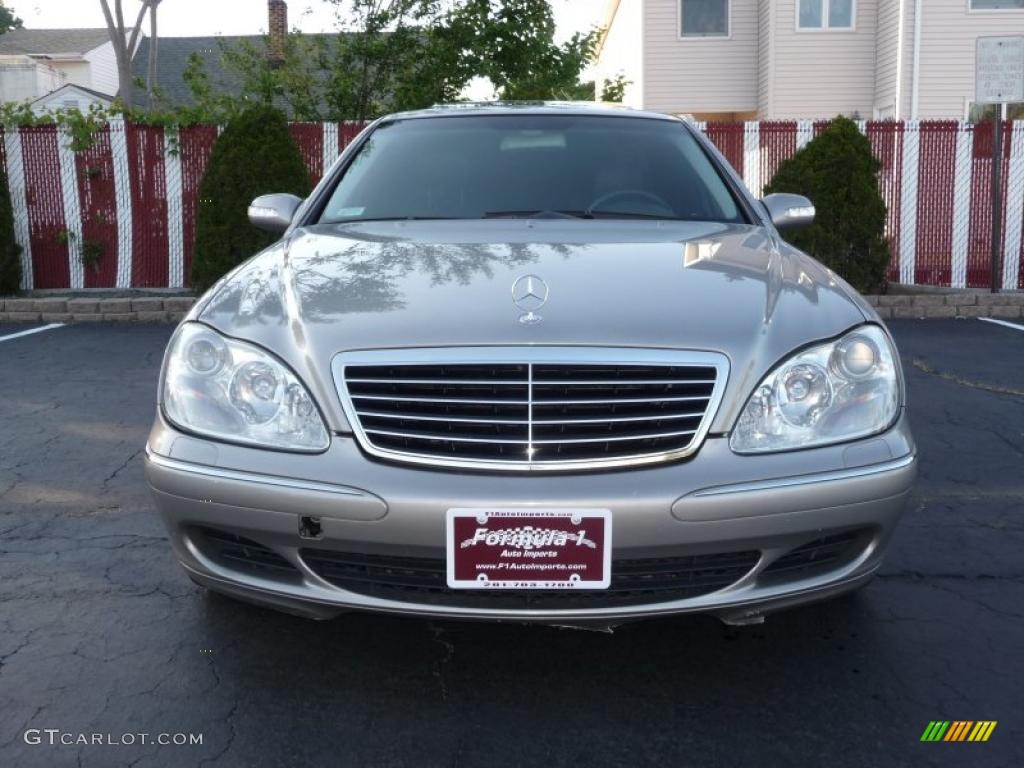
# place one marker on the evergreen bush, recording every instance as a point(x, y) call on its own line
point(255, 155)
point(10, 251)
point(839, 173)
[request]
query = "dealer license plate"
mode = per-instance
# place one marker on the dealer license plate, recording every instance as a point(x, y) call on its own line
point(529, 548)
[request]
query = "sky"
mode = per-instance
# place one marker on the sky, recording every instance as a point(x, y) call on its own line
point(182, 18)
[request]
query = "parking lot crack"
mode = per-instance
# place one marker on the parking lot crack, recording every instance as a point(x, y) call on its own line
point(437, 635)
point(117, 471)
point(231, 736)
point(924, 367)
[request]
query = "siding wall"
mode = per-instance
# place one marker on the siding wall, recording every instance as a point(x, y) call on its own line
point(765, 55)
point(822, 73)
point(948, 37)
point(75, 72)
point(103, 67)
point(699, 75)
point(622, 49)
point(887, 69)
point(22, 79)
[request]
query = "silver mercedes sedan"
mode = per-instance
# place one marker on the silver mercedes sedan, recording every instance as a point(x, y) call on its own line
point(542, 363)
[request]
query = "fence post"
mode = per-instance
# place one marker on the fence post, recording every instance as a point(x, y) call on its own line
point(962, 204)
point(908, 201)
point(1014, 208)
point(175, 216)
point(752, 157)
point(72, 208)
point(19, 202)
point(330, 142)
point(123, 199)
point(804, 133)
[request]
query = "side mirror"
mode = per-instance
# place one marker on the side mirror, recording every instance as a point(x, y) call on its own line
point(789, 211)
point(273, 213)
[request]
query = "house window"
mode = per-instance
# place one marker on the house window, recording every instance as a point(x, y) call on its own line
point(704, 18)
point(826, 14)
point(997, 5)
point(978, 113)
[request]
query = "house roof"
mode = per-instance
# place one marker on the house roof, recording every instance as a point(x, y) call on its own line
point(52, 41)
point(174, 53)
point(73, 87)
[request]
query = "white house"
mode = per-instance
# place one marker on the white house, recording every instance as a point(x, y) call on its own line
point(802, 59)
point(71, 96)
point(35, 63)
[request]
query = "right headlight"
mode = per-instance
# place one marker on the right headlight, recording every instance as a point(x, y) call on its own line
point(831, 393)
point(229, 390)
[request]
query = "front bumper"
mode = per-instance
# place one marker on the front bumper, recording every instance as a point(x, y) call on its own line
point(776, 506)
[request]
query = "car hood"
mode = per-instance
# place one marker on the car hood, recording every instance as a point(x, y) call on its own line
point(733, 289)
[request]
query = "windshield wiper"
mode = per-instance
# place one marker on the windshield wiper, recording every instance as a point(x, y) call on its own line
point(540, 214)
point(632, 215)
point(389, 218)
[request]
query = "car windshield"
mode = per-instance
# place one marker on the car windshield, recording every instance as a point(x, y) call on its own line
point(532, 166)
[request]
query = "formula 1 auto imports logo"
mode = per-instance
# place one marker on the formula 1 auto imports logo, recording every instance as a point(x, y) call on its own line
point(528, 537)
point(959, 730)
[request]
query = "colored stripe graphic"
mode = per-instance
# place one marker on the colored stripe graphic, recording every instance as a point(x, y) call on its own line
point(958, 730)
point(935, 730)
point(982, 730)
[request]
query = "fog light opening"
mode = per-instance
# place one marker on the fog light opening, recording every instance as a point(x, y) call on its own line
point(310, 528)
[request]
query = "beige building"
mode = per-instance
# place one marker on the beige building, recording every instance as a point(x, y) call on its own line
point(802, 59)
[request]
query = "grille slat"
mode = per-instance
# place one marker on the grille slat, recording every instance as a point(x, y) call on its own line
point(473, 401)
point(534, 413)
point(411, 417)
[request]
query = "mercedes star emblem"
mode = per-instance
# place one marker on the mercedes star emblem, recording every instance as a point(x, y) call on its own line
point(530, 293)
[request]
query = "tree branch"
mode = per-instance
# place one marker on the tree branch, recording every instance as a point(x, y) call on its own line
point(138, 26)
point(107, 16)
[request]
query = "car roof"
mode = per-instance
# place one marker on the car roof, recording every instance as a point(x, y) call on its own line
point(463, 109)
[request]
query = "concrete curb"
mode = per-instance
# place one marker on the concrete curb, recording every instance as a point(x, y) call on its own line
point(88, 310)
point(1004, 306)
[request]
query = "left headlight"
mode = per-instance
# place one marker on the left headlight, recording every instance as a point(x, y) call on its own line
point(831, 393)
point(234, 391)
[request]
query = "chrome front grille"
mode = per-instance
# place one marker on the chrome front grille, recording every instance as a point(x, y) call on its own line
point(530, 407)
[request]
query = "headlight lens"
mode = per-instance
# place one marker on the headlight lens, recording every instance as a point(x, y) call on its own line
point(828, 394)
point(234, 391)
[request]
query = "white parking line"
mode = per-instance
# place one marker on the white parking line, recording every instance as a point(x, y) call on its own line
point(986, 319)
point(50, 327)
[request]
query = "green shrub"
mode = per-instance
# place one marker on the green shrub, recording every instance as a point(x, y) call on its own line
point(838, 172)
point(10, 251)
point(255, 155)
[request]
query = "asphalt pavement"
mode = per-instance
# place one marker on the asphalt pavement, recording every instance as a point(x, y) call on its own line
point(101, 632)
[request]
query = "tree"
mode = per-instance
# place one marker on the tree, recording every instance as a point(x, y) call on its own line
point(10, 251)
point(512, 42)
point(124, 40)
point(292, 83)
point(8, 20)
point(390, 55)
point(255, 155)
point(393, 55)
point(614, 89)
point(839, 173)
